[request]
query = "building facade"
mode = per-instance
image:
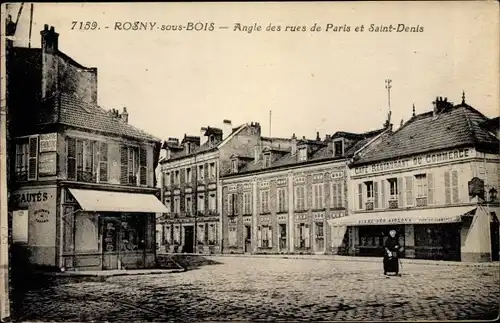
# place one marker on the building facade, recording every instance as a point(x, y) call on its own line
point(281, 199)
point(84, 195)
point(189, 174)
point(434, 181)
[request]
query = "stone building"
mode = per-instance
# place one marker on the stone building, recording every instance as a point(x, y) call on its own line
point(279, 199)
point(83, 194)
point(434, 180)
point(189, 173)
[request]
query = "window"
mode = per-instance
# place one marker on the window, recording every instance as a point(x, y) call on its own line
point(168, 204)
point(337, 194)
point(201, 174)
point(189, 175)
point(212, 234)
point(86, 232)
point(177, 204)
point(232, 204)
point(234, 165)
point(167, 180)
point(267, 160)
point(177, 177)
point(201, 234)
point(303, 154)
point(265, 236)
point(177, 235)
point(27, 159)
point(421, 185)
point(300, 202)
point(212, 202)
point(302, 235)
point(369, 190)
point(189, 205)
point(132, 232)
point(201, 202)
point(282, 200)
point(212, 170)
point(88, 160)
point(318, 196)
point(133, 165)
point(264, 201)
point(338, 148)
point(232, 236)
point(393, 188)
point(247, 203)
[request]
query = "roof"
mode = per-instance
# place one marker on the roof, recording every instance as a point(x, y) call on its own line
point(457, 126)
point(78, 113)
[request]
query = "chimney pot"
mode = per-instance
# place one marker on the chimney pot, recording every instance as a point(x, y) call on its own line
point(52, 29)
point(45, 27)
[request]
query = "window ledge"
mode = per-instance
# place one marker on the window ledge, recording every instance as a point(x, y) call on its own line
point(264, 213)
point(282, 212)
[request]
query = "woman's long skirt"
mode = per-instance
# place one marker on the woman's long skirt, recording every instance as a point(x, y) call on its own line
point(391, 265)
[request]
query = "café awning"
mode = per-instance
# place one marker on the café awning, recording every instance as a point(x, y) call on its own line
point(107, 201)
point(428, 216)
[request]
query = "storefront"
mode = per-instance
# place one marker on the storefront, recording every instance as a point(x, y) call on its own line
point(108, 230)
point(425, 234)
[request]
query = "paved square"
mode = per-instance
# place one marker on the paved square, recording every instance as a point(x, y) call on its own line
point(276, 289)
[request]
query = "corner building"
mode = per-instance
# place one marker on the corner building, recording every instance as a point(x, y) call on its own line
point(434, 181)
point(279, 199)
point(83, 195)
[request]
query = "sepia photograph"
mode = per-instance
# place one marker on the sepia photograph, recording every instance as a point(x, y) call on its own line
point(250, 161)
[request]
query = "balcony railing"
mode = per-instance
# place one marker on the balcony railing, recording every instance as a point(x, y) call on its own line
point(369, 205)
point(421, 201)
point(86, 176)
point(393, 204)
point(212, 213)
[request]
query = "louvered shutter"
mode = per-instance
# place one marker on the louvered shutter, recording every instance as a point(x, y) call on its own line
point(340, 194)
point(409, 190)
point(71, 158)
point(124, 165)
point(400, 192)
point(230, 204)
point(306, 235)
point(430, 189)
point(103, 162)
point(382, 194)
point(143, 166)
point(454, 185)
point(360, 196)
point(270, 236)
point(259, 237)
point(297, 235)
point(375, 195)
point(33, 158)
point(447, 190)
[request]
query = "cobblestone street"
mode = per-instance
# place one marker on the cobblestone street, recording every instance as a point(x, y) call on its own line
point(275, 289)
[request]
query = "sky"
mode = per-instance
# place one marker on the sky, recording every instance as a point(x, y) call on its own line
point(174, 82)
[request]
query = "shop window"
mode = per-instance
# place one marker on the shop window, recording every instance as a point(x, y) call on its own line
point(264, 201)
point(132, 232)
point(87, 233)
point(282, 200)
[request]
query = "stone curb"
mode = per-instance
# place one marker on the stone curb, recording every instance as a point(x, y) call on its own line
point(106, 274)
point(367, 259)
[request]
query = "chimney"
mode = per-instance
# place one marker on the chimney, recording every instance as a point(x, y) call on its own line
point(203, 138)
point(256, 153)
point(294, 145)
point(317, 136)
point(50, 39)
point(124, 116)
point(435, 107)
point(227, 128)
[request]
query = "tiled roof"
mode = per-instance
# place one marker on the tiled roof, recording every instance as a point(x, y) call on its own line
point(457, 126)
point(77, 113)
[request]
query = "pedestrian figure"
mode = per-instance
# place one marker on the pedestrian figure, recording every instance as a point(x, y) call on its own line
point(391, 254)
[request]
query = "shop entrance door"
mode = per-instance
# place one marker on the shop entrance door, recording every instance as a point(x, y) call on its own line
point(248, 239)
point(110, 236)
point(282, 237)
point(320, 238)
point(189, 239)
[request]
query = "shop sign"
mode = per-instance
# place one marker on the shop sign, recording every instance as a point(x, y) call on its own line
point(30, 197)
point(47, 163)
point(20, 226)
point(42, 215)
point(422, 160)
point(410, 220)
point(48, 142)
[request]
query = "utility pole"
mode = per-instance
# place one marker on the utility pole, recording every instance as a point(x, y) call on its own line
point(388, 86)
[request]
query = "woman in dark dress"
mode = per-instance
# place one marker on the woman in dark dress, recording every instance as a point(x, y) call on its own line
point(391, 254)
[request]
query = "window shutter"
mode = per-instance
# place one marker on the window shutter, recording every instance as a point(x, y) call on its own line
point(409, 190)
point(270, 236)
point(235, 203)
point(454, 184)
point(382, 194)
point(447, 191)
point(95, 158)
point(230, 201)
point(430, 189)
point(103, 162)
point(297, 235)
point(71, 158)
point(375, 195)
point(143, 166)
point(306, 235)
point(259, 237)
point(33, 158)
point(360, 196)
point(124, 165)
point(340, 194)
point(400, 192)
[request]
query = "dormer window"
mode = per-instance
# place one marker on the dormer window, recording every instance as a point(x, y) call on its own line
point(303, 154)
point(212, 139)
point(234, 165)
point(267, 160)
point(338, 148)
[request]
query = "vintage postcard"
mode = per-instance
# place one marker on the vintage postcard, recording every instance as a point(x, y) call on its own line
point(266, 161)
